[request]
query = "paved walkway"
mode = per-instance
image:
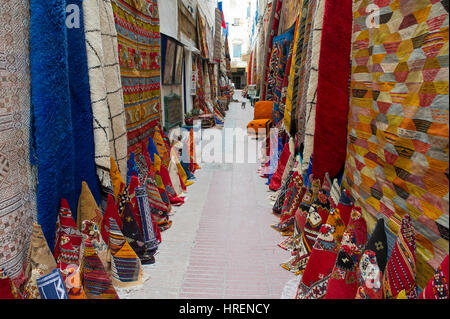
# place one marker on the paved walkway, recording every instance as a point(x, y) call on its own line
point(221, 244)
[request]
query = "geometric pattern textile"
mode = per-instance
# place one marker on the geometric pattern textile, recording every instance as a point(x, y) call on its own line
point(323, 257)
point(398, 143)
point(17, 196)
point(139, 41)
point(106, 88)
point(400, 273)
point(126, 268)
point(343, 283)
point(437, 288)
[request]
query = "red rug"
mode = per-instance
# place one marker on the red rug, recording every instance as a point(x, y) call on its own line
point(330, 138)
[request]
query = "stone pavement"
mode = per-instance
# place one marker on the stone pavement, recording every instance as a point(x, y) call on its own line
point(221, 244)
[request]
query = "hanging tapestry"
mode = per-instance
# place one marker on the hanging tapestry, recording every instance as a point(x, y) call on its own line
point(285, 45)
point(139, 41)
point(333, 77)
point(62, 122)
point(169, 61)
point(17, 199)
point(273, 33)
point(306, 111)
point(291, 10)
point(304, 75)
point(201, 34)
point(295, 66)
point(397, 153)
point(106, 88)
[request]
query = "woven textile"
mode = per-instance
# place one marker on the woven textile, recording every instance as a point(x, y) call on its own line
point(369, 277)
point(96, 282)
point(306, 115)
point(106, 87)
point(62, 123)
point(52, 286)
point(110, 212)
point(87, 208)
point(7, 288)
point(161, 146)
point(272, 33)
point(275, 182)
point(118, 181)
point(92, 234)
point(126, 268)
point(290, 12)
point(218, 36)
point(146, 219)
point(68, 238)
point(379, 245)
point(201, 34)
point(302, 113)
point(343, 283)
point(323, 257)
point(294, 76)
point(400, 273)
point(331, 111)
point(39, 256)
point(132, 233)
point(139, 41)
point(17, 194)
point(437, 287)
point(397, 153)
point(278, 206)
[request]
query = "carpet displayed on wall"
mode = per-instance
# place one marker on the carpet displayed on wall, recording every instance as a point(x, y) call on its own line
point(62, 142)
point(17, 198)
point(303, 115)
point(332, 77)
point(106, 88)
point(273, 33)
point(397, 154)
point(139, 41)
point(295, 66)
point(289, 14)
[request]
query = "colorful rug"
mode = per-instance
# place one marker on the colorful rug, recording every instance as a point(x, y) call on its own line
point(398, 143)
point(17, 193)
point(126, 268)
point(401, 269)
point(437, 287)
point(343, 282)
point(306, 116)
point(272, 33)
point(96, 282)
point(139, 42)
point(295, 67)
point(301, 112)
point(66, 227)
point(314, 282)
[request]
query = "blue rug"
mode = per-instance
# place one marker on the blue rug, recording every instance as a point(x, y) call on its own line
point(62, 141)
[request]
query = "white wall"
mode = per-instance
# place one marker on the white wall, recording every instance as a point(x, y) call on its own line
point(168, 17)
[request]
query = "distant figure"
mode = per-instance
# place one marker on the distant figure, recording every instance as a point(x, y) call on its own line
point(243, 105)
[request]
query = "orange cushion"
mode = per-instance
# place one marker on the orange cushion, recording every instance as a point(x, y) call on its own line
point(263, 110)
point(256, 125)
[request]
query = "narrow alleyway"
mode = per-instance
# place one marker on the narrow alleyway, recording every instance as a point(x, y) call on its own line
point(221, 244)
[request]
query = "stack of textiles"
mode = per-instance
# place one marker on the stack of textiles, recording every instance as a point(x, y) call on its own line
point(102, 250)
